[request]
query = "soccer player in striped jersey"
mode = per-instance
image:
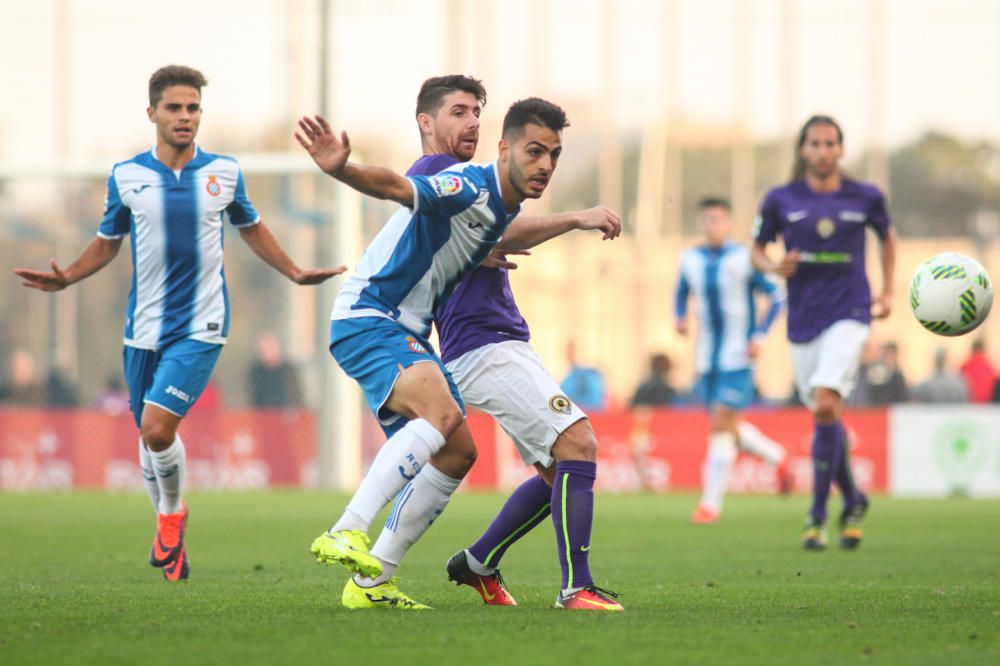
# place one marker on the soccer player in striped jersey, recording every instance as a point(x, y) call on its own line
point(485, 345)
point(173, 202)
point(448, 224)
point(719, 275)
point(821, 216)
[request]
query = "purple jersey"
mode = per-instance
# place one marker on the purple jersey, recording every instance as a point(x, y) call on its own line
point(828, 229)
point(481, 310)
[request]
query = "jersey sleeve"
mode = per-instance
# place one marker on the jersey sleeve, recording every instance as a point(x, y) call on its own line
point(767, 224)
point(878, 215)
point(241, 212)
point(761, 283)
point(447, 193)
point(117, 221)
point(681, 294)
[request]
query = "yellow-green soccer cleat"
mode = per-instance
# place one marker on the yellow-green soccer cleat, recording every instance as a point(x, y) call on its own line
point(814, 536)
point(386, 595)
point(348, 548)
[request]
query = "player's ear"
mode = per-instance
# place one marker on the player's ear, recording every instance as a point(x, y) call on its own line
point(425, 122)
point(151, 112)
point(504, 148)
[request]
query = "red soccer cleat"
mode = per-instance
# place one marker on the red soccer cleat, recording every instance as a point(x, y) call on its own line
point(704, 515)
point(491, 588)
point(589, 598)
point(783, 477)
point(169, 541)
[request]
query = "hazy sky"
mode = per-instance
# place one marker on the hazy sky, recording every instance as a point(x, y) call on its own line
point(941, 62)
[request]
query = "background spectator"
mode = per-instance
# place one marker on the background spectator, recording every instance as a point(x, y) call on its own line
point(655, 389)
point(943, 386)
point(113, 398)
point(583, 385)
point(979, 374)
point(880, 381)
point(274, 382)
point(22, 387)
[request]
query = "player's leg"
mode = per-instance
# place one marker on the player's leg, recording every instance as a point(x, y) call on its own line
point(755, 442)
point(508, 381)
point(373, 351)
point(718, 462)
point(838, 354)
point(855, 501)
point(140, 367)
point(423, 391)
point(182, 372)
point(575, 452)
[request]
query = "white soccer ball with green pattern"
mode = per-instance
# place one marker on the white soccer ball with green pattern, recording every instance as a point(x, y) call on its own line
point(951, 294)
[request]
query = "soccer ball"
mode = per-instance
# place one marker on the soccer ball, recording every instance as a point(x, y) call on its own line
point(950, 294)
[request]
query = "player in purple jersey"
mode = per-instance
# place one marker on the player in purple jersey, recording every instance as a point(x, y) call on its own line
point(484, 344)
point(821, 216)
point(172, 202)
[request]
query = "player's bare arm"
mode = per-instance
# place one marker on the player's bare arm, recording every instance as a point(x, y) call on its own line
point(527, 231)
point(882, 304)
point(785, 267)
point(330, 154)
point(266, 246)
point(95, 256)
point(497, 258)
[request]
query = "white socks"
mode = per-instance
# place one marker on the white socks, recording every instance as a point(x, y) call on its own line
point(754, 441)
point(721, 454)
point(168, 465)
point(398, 462)
point(148, 475)
point(418, 505)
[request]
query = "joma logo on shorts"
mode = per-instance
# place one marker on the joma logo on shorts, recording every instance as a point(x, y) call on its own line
point(177, 393)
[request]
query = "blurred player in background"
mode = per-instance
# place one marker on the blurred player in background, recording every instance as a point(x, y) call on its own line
point(719, 275)
point(173, 201)
point(448, 225)
point(485, 345)
point(821, 216)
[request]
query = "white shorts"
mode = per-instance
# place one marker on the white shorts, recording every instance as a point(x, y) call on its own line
point(830, 360)
point(508, 381)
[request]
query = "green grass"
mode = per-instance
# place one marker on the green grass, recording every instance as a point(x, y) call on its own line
point(923, 589)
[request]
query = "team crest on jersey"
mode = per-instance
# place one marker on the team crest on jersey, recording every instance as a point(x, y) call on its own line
point(415, 345)
point(825, 227)
point(213, 187)
point(446, 185)
point(560, 404)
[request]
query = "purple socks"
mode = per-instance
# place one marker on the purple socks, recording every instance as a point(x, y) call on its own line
point(573, 517)
point(526, 507)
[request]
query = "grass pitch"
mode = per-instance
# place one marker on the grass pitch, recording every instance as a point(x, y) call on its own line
point(924, 588)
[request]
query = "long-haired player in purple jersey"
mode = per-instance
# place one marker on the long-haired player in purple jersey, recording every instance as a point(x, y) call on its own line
point(821, 215)
point(484, 344)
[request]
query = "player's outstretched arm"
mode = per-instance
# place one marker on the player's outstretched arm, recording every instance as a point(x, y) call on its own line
point(330, 154)
point(265, 245)
point(527, 231)
point(786, 267)
point(94, 257)
point(882, 305)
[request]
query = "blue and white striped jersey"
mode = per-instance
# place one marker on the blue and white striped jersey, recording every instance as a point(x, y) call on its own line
point(417, 259)
point(724, 283)
point(174, 221)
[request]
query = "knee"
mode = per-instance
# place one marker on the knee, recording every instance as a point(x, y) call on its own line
point(827, 406)
point(576, 443)
point(157, 436)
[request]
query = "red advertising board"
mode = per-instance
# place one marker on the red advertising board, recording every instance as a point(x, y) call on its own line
point(657, 450)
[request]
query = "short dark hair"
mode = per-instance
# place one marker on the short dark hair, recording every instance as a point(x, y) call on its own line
point(433, 91)
point(533, 111)
point(173, 75)
point(715, 202)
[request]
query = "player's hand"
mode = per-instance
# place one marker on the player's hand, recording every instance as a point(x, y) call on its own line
point(882, 306)
point(497, 258)
point(316, 275)
point(681, 326)
point(603, 219)
point(788, 265)
point(328, 152)
point(54, 281)
point(753, 349)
